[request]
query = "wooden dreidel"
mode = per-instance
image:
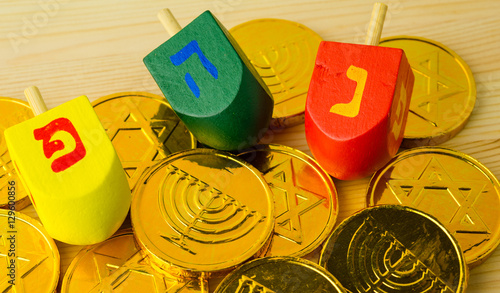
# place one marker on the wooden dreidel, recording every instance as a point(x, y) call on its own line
point(210, 83)
point(357, 104)
point(70, 170)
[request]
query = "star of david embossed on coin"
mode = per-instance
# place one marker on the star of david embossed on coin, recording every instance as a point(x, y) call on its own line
point(25, 244)
point(280, 274)
point(284, 57)
point(452, 186)
point(12, 111)
point(444, 92)
point(211, 211)
point(143, 129)
point(305, 198)
point(118, 265)
point(391, 248)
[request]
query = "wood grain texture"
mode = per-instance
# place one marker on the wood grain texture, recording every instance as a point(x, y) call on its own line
point(35, 100)
point(96, 48)
point(168, 21)
point(376, 24)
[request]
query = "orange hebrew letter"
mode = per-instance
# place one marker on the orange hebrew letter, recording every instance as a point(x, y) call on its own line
point(50, 147)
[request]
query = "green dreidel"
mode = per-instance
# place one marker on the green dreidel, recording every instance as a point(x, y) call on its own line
point(210, 83)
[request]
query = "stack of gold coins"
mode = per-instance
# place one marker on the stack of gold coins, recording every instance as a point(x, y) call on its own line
point(199, 214)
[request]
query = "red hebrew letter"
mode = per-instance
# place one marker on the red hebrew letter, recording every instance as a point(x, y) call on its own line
point(50, 147)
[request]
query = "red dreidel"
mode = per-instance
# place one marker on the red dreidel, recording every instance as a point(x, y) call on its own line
point(357, 103)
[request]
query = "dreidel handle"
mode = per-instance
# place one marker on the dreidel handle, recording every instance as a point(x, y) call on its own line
point(169, 22)
point(35, 100)
point(376, 24)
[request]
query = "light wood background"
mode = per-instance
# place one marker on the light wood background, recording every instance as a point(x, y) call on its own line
point(95, 48)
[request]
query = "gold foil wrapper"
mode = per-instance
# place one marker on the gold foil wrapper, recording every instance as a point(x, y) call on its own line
point(202, 212)
point(444, 92)
point(30, 258)
point(143, 129)
point(280, 274)
point(12, 111)
point(450, 185)
point(392, 248)
point(305, 198)
point(118, 265)
point(283, 53)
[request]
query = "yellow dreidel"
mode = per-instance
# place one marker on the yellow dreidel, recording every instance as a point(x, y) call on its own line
point(70, 170)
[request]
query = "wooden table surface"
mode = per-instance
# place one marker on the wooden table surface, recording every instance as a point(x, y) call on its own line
point(95, 48)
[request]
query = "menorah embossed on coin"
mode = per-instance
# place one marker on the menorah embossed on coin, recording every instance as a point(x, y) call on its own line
point(380, 263)
point(201, 213)
point(285, 78)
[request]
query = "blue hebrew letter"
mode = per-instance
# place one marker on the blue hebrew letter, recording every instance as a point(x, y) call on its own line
point(186, 52)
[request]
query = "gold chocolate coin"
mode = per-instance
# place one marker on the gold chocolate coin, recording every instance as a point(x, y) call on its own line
point(117, 265)
point(143, 129)
point(280, 275)
point(392, 248)
point(12, 111)
point(444, 93)
point(30, 259)
point(305, 198)
point(202, 211)
point(283, 53)
point(453, 187)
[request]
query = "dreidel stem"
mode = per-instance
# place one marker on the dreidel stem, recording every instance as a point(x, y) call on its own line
point(169, 22)
point(35, 100)
point(376, 24)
